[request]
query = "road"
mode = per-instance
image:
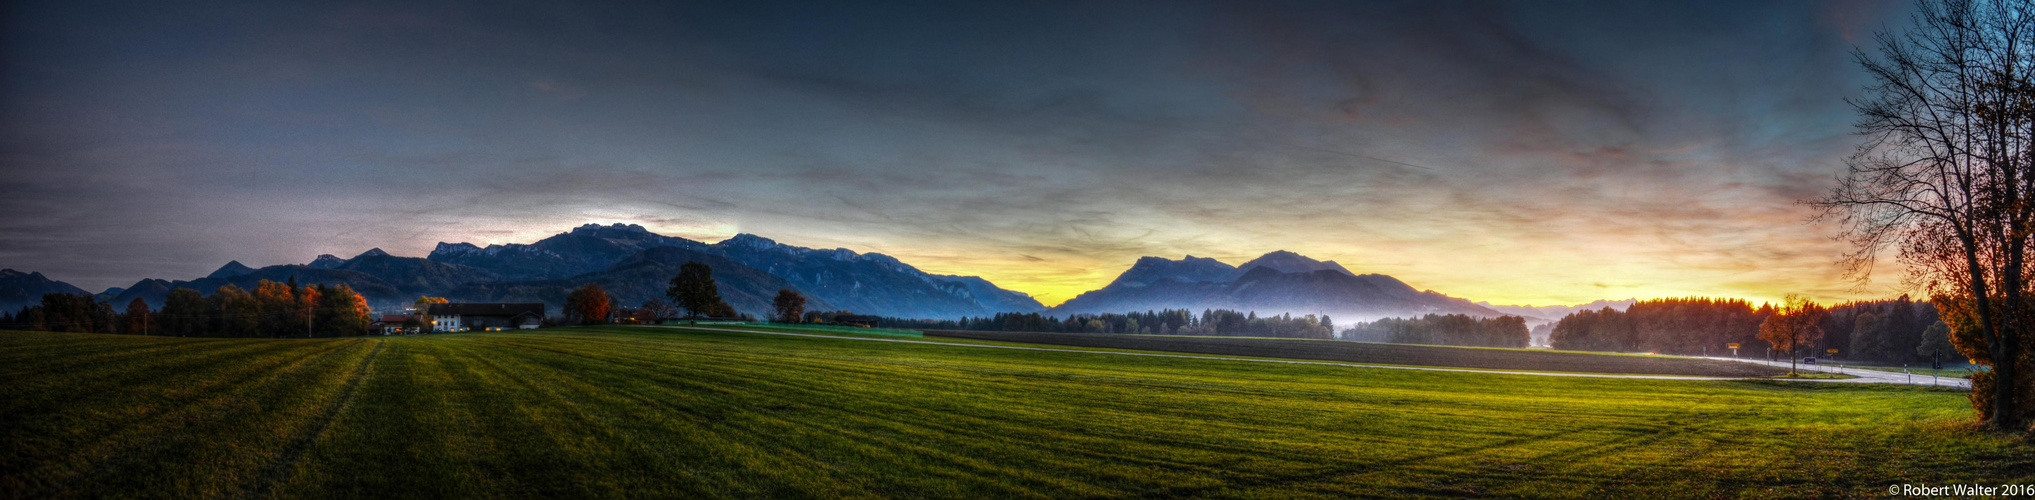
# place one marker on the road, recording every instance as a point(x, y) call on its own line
point(1864, 376)
point(1888, 377)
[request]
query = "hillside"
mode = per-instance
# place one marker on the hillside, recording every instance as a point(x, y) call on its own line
point(643, 277)
point(19, 289)
point(1305, 286)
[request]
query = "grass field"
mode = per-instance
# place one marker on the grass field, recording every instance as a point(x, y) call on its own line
point(670, 412)
point(1390, 354)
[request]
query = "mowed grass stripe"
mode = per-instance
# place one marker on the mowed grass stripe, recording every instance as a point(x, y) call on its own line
point(763, 425)
point(231, 421)
point(669, 412)
point(86, 413)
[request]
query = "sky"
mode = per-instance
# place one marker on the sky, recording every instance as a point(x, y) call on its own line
point(1512, 152)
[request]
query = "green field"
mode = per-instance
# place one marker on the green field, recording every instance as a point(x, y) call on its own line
point(630, 411)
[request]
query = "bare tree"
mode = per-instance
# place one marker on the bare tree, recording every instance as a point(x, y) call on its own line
point(1943, 176)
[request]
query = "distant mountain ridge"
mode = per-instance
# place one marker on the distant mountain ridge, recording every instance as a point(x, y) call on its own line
point(231, 269)
point(1555, 313)
point(838, 278)
point(18, 289)
point(1279, 282)
point(634, 265)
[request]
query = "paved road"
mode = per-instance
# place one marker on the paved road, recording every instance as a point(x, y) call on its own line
point(1222, 358)
point(1864, 376)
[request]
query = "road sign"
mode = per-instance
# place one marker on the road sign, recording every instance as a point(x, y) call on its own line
point(1733, 346)
point(1833, 351)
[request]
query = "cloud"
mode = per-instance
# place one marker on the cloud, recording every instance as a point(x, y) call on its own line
point(1499, 151)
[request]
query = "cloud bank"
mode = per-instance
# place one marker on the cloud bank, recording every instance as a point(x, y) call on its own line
point(1543, 152)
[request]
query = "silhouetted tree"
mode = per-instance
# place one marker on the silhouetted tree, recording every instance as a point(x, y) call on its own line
point(137, 317)
point(659, 309)
point(1936, 342)
point(790, 306)
point(239, 312)
point(186, 313)
point(693, 289)
point(1444, 329)
point(1947, 177)
point(1868, 337)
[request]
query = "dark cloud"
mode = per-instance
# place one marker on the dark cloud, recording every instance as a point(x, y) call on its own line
point(1543, 151)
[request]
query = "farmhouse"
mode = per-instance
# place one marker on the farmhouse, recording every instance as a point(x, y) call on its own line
point(457, 317)
point(390, 324)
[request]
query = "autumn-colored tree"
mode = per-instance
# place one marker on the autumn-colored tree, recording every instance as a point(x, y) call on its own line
point(588, 304)
point(277, 302)
point(1945, 177)
point(340, 312)
point(423, 306)
point(137, 317)
point(721, 309)
point(790, 305)
point(693, 289)
point(1793, 325)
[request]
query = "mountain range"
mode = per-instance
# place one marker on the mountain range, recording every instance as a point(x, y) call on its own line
point(630, 262)
point(635, 264)
point(19, 289)
point(1276, 283)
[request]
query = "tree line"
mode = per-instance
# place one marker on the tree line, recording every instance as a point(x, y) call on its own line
point(1444, 329)
point(1211, 322)
point(1683, 326)
point(270, 310)
point(1885, 331)
point(692, 291)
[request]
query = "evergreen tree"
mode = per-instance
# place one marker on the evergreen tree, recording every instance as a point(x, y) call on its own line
point(693, 289)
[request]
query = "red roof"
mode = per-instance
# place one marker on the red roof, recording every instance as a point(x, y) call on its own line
point(395, 318)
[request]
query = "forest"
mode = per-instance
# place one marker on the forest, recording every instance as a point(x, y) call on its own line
point(1885, 331)
point(1444, 329)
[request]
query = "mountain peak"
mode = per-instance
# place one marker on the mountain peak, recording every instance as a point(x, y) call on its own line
point(1191, 269)
point(231, 269)
point(1289, 262)
point(327, 261)
point(373, 252)
point(593, 227)
point(749, 242)
point(19, 289)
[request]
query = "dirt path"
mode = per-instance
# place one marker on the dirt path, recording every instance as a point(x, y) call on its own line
point(1865, 376)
